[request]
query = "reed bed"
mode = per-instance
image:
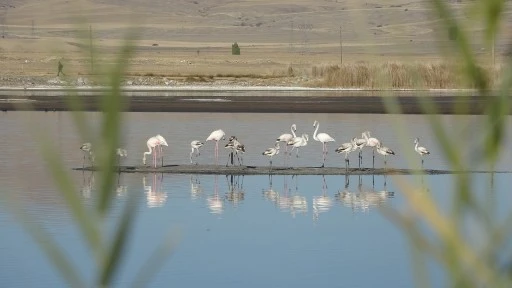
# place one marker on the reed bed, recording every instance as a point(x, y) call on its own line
point(396, 75)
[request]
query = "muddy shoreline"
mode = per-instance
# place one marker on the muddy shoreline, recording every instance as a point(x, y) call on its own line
point(251, 100)
point(265, 170)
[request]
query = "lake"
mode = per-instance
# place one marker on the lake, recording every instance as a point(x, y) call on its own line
point(239, 231)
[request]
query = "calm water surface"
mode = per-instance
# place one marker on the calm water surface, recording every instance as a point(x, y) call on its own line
point(235, 231)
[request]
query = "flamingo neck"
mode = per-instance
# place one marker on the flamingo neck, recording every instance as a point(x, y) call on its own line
point(316, 130)
point(293, 131)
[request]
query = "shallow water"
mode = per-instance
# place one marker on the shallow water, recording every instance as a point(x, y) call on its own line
point(250, 231)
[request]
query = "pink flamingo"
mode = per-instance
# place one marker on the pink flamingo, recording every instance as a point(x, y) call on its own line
point(287, 137)
point(216, 136)
point(153, 143)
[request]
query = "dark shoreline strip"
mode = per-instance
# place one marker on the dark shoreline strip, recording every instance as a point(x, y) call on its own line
point(263, 170)
point(446, 104)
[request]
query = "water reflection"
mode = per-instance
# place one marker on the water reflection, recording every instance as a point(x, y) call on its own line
point(285, 200)
point(87, 184)
point(236, 192)
point(215, 202)
point(364, 198)
point(196, 189)
point(269, 193)
point(322, 203)
point(120, 189)
point(155, 196)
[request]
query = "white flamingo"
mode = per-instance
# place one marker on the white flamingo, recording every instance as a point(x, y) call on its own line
point(347, 148)
point(287, 137)
point(121, 153)
point(371, 142)
point(384, 151)
point(162, 142)
point(87, 149)
point(360, 144)
point(271, 152)
point(420, 149)
point(216, 136)
point(195, 145)
point(322, 137)
point(298, 142)
point(153, 143)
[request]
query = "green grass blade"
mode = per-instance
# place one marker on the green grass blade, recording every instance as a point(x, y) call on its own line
point(117, 247)
point(474, 73)
point(112, 106)
point(85, 220)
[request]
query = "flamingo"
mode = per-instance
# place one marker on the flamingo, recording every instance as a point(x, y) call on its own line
point(420, 149)
point(287, 137)
point(240, 148)
point(121, 153)
point(360, 144)
point(298, 142)
point(322, 137)
point(271, 152)
point(385, 151)
point(236, 147)
point(87, 149)
point(153, 143)
point(195, 145)
point(216, 136)
point(347, 148)
point(371, 142)
point(162, 142)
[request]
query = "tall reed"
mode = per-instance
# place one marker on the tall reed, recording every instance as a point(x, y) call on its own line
point(396, 75)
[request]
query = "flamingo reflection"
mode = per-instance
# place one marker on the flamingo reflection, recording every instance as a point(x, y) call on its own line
point(269, 193)
point(322, 203)
point(195, 187)
point(364, 199)
point(299, 204)
point(236, 191)
point(284, 201)
point(87, 185)
point(120, 189)
point(215, 202)
point(155, 197)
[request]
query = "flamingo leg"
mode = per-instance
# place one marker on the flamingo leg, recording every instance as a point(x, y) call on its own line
point(155, 151)
point(216, 152)
point(323, 154)
point(162, 156)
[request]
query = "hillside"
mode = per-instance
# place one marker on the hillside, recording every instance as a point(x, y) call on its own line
point(194, 37)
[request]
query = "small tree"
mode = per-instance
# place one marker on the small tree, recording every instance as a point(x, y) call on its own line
point(235, 50)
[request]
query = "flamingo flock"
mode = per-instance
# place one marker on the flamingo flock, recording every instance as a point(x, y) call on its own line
point(237, 149)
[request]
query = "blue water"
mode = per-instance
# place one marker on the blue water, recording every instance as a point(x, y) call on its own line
point(232, 231)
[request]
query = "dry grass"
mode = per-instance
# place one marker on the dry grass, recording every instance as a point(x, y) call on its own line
point(396, 75)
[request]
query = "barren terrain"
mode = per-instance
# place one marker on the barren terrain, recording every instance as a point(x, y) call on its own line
point(189, 41)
